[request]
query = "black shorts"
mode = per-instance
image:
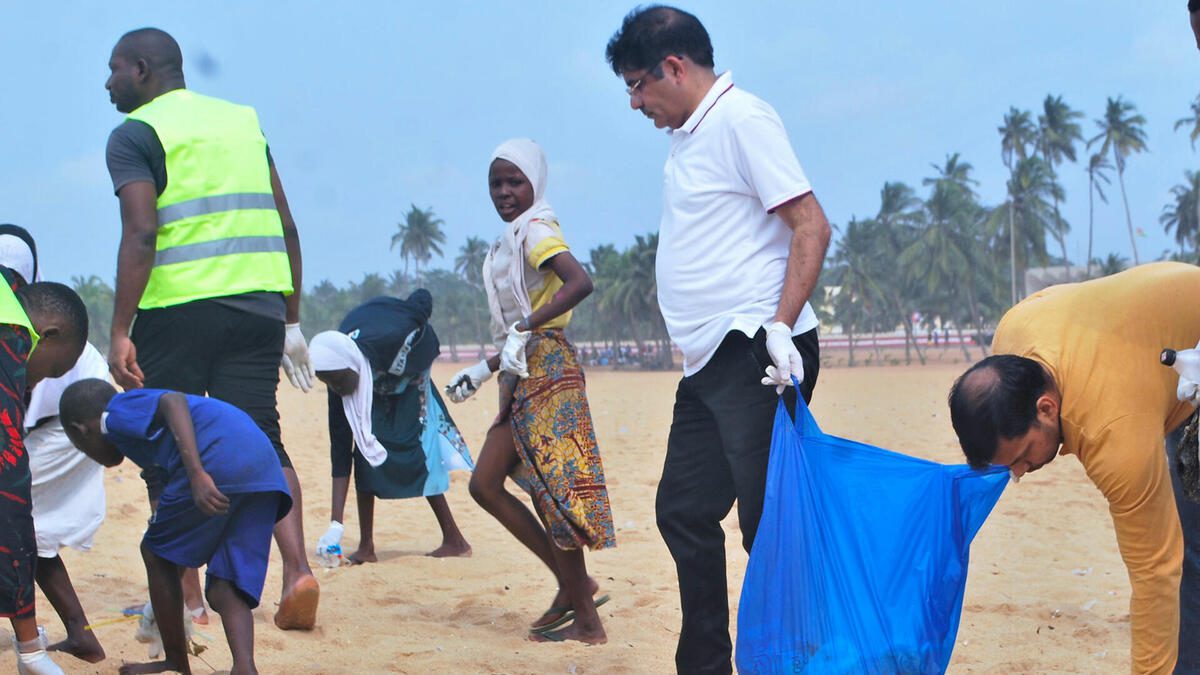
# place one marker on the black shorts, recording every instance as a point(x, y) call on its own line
point(209, 349)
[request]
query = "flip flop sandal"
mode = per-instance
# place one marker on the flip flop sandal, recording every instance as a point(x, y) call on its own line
point(567, 617)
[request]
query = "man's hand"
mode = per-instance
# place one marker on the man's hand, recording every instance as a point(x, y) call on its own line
point(512, 357)
point(122, 363)
point(208, 498)
point(467, 381)
point(784, 355)
point(296, 363)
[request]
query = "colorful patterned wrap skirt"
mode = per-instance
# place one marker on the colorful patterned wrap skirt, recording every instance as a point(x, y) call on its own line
point(560, 463)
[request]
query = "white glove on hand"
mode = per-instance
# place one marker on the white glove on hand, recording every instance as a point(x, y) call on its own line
point(784, 355)
point(296, 363)
point(512, 357)
point(467, 381)
point(329, 546)
point(1188, 391)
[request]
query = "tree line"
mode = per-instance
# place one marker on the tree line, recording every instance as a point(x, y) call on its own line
point(940, 257)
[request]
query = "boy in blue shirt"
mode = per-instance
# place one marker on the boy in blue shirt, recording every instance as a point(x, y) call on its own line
point(225, 491)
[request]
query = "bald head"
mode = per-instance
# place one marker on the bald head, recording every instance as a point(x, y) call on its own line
point(996, 399)
point(145, 63)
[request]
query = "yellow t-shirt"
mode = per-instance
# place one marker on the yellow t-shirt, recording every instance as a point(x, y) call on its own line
point(1101, 340)
point(544, 241)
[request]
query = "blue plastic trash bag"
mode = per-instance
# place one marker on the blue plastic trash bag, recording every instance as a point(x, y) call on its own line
point(860, 559)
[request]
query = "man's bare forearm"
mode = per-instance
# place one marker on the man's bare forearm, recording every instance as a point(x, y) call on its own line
point(806, 255)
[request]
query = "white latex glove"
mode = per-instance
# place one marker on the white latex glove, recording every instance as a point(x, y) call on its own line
point(784, 355)
point(330, 543)
point(1189, 391)
point(296, 363)
point(512, 357)
point(467, 381)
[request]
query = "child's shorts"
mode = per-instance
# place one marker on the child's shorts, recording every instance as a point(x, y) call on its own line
point(235, 546)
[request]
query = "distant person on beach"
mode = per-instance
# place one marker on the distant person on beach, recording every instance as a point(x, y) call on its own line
point(741, 242)
point(224, 493)
point(43, 330)
point(209, 263)
point(387, 421)
point(67, 488)
point(543, 436)
point(1076, 371)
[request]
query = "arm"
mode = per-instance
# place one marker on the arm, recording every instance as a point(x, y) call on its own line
point(577, 285)
point(173, 409)
point(291, 239)
point(806, 254)
point(1129, 466)
point(341, 459)
point(135, 259)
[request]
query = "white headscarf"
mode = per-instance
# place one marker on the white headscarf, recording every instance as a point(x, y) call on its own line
point(529, 158)
point(332, 350)
point(16, 255)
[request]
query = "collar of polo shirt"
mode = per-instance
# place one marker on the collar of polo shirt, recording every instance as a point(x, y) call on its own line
point(723, 84)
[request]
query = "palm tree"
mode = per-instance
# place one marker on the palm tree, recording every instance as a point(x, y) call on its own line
point(1112, 264)
point(420, 237)
point(1057, 135)
point(859, 294)
point(1031, 189)
point(469, 262)
point(1193, 121)
point(1016, 134)
point(1098, 168)
point(1181, 214)
point(897, 220)
point(1121, 131)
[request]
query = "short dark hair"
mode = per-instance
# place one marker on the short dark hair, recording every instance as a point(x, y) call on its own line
point(50, 298)
point(996, 398)
point(156, 47)
point(652, 33)
point(84, 400)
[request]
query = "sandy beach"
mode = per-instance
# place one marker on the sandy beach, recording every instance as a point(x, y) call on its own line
point(1047, 590)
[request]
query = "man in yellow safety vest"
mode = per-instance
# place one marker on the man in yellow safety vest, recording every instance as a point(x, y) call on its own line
point(209, 262)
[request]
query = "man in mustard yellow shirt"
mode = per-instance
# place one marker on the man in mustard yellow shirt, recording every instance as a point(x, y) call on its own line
point(1077, 365)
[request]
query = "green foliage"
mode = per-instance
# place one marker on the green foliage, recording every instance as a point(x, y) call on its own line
point(97, 296)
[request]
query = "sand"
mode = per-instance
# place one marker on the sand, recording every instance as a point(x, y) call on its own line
point(1047, 590)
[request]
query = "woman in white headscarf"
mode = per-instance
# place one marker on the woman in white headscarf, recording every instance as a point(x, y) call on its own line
point(543, 437)
point(386, 420)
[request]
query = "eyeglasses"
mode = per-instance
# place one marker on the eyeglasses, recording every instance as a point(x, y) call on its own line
point(656, 72)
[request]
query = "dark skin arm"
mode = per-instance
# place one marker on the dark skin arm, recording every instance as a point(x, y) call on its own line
point(806, 254)
point(135, 259)
point(577, 285)
point(173, 411)
point(291, 239)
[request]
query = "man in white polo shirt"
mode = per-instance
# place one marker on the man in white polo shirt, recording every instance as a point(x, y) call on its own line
point(740, 246)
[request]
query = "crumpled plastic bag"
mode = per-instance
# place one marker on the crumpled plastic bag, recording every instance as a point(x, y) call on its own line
point(860, 559)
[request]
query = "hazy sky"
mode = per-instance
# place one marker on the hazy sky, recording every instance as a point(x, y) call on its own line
point(369, 107)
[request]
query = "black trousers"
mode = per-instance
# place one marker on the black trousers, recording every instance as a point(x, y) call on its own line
point(717, 453)
point(209, 349)
point(1189, 585)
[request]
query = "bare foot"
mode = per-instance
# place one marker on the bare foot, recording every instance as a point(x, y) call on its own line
point(595, 636)
point(364, 554)
point(152, 667)
point(85, 647)
point(298, 607)
point(458, 548)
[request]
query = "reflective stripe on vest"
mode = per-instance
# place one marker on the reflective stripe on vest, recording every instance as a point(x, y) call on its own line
point(219, 232)
point(215, 204)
